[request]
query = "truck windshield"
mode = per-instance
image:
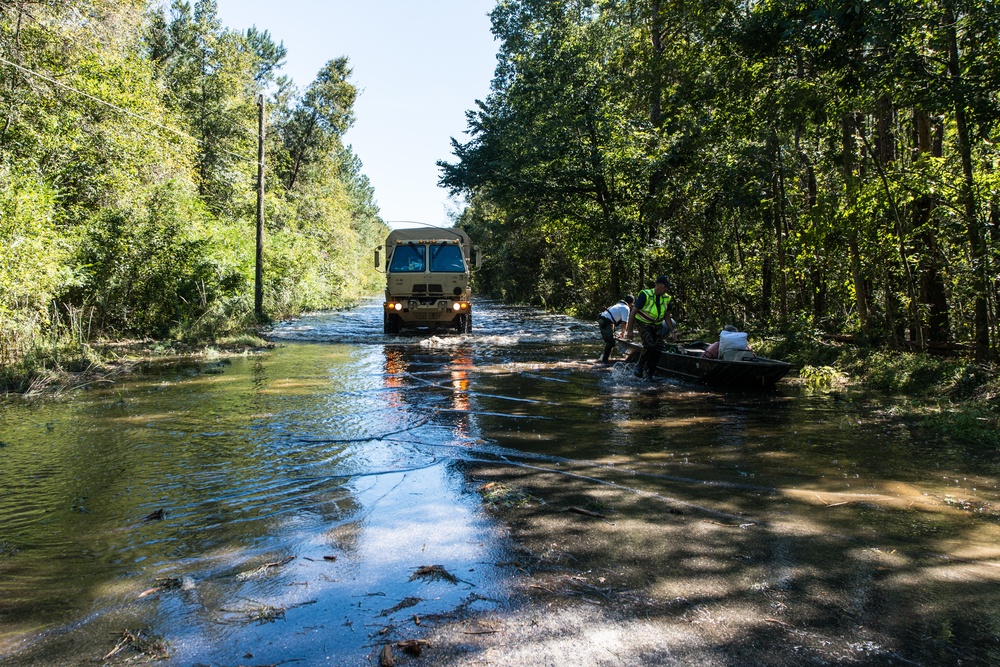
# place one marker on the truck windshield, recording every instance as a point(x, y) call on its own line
point(408, 259)
point(447, 259)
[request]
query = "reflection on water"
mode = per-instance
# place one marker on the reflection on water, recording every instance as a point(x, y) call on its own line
point(280, 505)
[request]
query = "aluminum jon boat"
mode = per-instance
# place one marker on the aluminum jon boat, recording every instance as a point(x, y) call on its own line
point(685, 362)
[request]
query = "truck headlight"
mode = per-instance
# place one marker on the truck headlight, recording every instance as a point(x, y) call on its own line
point(397, 306)
point(456, 306)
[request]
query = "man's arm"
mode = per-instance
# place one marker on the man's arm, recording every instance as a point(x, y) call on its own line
point(639, 302)
point(631, 323)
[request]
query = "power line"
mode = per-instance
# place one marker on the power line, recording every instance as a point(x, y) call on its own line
point(122, 110)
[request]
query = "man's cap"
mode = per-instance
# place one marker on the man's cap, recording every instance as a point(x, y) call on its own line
point(629, 299)
point(730, 328)
point(663, 280)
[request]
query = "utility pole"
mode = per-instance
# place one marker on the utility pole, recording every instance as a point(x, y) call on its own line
point(258, 290)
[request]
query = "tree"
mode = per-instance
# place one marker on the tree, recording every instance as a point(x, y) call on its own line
point(821, 163)
point(324, 114)
point(211, 81)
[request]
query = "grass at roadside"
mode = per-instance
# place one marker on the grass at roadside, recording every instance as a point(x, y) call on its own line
point(66, 366)
point(951, 395)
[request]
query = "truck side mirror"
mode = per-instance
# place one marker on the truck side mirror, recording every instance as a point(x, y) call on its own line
point(378, 264)
point(477, 256)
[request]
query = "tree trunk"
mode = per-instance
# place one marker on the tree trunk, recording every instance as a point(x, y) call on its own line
point(849, 148)
point(883, 154)
point(932, 287)
point(778, 220)
point(974, 228)
point(301, 152)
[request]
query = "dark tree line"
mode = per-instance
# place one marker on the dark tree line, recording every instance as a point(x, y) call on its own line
point(823, 165)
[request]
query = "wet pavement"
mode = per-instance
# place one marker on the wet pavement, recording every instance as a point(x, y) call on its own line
point(320, 500)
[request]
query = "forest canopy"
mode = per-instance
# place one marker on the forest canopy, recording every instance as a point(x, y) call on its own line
point(128, 164)
point(821, 166)
point(827, 165)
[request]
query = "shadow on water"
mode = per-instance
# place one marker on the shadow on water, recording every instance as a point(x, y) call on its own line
point(281, 507)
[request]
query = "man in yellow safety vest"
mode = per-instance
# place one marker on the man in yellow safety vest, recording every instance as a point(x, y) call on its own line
point(651, 308)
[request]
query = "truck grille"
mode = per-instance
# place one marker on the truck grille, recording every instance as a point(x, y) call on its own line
point(436, 289)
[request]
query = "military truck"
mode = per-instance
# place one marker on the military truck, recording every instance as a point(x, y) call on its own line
point(427, 272)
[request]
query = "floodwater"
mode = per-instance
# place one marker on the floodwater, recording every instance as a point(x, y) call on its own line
point(309, 503)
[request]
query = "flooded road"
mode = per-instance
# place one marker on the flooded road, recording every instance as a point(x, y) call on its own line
point(314, 502)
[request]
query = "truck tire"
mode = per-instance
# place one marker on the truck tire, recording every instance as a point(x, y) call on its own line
point(468, 323)
point(391, 324)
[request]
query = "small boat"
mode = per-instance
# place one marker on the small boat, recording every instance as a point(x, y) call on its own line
point(685, 361)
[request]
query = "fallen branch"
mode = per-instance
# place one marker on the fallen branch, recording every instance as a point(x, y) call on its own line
point(434, 573)
point(403, 604)
point(140, 641)
point(744, 526)
point(162, 584)
point(580, 510)
point(243, 576)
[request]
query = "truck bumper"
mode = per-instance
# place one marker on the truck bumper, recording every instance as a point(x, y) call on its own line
point(411, 311)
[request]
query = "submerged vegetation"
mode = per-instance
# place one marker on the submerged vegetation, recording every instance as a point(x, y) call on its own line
point(128, 182)
point(951, 395)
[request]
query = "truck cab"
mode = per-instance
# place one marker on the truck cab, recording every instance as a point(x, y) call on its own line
point(428, 270)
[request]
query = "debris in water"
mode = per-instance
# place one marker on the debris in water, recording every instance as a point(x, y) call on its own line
point(256, 572)
point(142, 641)
point(500, 494)
point(266, 614)
point(260, 615)
point(413, 646)
point(162, 584)
point(434, 573)
point(158, 515)
point(385, 657)
point(406, 602)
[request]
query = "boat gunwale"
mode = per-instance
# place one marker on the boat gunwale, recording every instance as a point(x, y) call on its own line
point(759, 371)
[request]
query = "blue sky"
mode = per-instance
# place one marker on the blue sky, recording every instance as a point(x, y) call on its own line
point(419, 65)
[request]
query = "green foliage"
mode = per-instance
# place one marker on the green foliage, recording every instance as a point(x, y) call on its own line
point(821, 376)
point(128, 142)
point(973, 426)
point(790, 166)
point(916, 374)
point(802, 347)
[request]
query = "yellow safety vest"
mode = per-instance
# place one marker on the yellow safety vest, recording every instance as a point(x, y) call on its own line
point(654, 309)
